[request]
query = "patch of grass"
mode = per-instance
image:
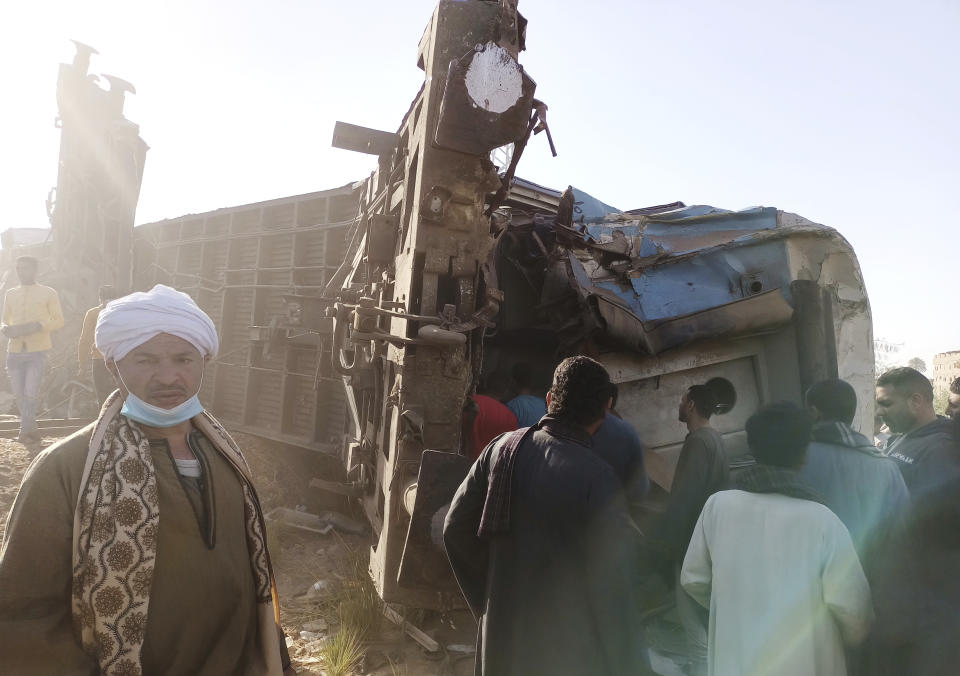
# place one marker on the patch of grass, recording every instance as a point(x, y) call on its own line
point(342, 653)
point(348, 602)
point(360, 607)
point(397, 668)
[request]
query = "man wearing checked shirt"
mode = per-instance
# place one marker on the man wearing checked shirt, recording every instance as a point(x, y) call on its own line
point(30, 312)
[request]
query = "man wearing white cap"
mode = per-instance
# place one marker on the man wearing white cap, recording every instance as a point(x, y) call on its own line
point(137, 545)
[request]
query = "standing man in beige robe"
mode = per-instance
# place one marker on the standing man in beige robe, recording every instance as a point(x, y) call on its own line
point(137, 545)
point(87, 353)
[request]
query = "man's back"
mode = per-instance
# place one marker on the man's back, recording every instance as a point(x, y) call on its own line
point(528, 409)
point(783, 584)
point(860, 485)
point(493, 419)
point(85, 344)
point(554, 595)
point(920, 590)
point(618, 444)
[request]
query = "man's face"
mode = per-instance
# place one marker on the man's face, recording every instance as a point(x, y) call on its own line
point(953, 406)
point(26, 272)
point(682, 414)
point(899, 411)
point(165, 371)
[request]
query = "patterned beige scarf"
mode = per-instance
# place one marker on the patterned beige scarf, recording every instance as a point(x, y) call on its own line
point(115, 543)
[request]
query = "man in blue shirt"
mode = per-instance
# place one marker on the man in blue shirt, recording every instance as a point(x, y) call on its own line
point(617, 442)
point(527, 406)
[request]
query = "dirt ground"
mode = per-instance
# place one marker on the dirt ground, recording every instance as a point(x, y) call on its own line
point(14, 460)
point(313, 570)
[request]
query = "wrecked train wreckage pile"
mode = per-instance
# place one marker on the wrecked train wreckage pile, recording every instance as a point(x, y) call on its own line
point(459, 271)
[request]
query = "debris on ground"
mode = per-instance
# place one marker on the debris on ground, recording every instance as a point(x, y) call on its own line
point(316, 523)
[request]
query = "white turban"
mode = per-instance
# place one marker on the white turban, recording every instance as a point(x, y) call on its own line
point(130, 321)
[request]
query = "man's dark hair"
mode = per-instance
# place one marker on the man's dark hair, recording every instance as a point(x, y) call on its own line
point(580, 391)
point(778, 434)
point(107, 292)
point(704, 400)
point(614, 395)
point(835, 399)
point(955, 386)
point(30, 260)
point(906, 380)
point(522, 374)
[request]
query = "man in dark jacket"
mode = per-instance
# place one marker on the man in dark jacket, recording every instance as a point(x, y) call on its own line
point(922, 443)
point(919, 590)
point(541, 545)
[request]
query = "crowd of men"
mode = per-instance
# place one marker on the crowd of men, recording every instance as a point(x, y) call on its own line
point(828, 556)
point(137, 545)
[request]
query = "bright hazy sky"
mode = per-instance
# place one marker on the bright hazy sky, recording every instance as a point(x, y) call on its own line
point(844, 112)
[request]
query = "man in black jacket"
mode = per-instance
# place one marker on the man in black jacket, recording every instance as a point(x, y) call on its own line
point(922, 443)
point(542, 547)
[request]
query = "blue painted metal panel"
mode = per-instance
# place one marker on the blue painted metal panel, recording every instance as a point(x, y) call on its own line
point(589, 207)
point(710, 280)
point(715, 277)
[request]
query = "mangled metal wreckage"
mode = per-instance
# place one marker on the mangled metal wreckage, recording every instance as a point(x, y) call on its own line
point(458, 271)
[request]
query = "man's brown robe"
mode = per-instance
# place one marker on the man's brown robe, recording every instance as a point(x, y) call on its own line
point(203, 612)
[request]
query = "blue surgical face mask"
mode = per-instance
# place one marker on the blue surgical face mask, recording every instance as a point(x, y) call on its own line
point(137, 409)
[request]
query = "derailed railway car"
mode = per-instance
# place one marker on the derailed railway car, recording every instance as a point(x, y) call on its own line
point(457, 271)
point(668, 297)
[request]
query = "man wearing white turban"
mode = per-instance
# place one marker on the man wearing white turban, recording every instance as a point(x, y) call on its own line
point(137, 545)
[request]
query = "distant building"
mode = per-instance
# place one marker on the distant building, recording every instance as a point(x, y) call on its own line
point(946, 368)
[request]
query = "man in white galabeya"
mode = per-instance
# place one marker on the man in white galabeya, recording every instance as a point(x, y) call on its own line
point(137, 545)
point(775, 567)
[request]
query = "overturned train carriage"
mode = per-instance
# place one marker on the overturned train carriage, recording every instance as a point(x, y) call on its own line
point(667, 298)
point(452, 279)
point(249, 267)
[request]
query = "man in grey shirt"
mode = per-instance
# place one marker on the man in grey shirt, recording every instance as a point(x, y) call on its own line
point(702, 470)
point(860, 485)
